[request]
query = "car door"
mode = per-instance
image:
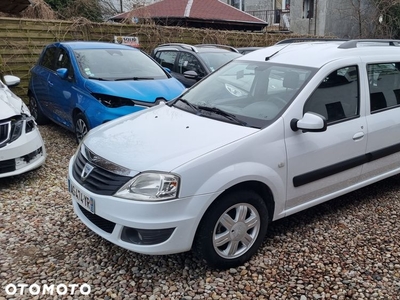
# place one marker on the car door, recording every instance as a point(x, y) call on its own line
point(39, 81)
point(63, 91)
point(383, 145)
point(322, 165)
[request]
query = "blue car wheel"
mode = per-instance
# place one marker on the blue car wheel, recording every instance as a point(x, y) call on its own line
point(81, 127)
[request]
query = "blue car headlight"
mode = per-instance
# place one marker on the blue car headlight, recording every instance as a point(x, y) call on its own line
point(113, 101)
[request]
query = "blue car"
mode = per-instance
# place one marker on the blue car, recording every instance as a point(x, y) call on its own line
point(80, 85)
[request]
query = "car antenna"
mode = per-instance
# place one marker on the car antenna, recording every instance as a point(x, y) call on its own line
point(273, 54)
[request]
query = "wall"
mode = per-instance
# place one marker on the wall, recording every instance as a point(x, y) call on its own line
point(22, 40)
point(340, 18)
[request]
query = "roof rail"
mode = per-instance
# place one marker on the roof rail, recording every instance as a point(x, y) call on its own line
point(218, 46)
point(181, 45)
point(370, 42)
point(299, 40)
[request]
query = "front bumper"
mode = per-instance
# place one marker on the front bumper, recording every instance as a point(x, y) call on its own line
point(169, 226)
point(25, 154)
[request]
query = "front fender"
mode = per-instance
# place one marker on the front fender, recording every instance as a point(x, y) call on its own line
point(215, 184)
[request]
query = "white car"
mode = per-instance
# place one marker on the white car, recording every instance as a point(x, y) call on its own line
point(21, 145)
point(269, 134)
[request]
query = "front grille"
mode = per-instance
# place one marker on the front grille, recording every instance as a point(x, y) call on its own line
point(4, 133)
point(100, 222)
point(99, 181)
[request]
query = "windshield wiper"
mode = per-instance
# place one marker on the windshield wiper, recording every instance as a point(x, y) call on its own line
point(223, 113)
point(192, 106)
point(98, 78)
point(134, 78)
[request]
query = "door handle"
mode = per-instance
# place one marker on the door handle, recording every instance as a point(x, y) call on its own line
point(358, 136)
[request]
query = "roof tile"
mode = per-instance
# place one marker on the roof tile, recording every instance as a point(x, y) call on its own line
point(196, 9)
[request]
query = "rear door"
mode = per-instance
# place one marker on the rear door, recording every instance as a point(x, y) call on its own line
point(383, 146)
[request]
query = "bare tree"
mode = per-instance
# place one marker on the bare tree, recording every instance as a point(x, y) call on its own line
point(114, 7)
point(369, 18)
point(388, 18)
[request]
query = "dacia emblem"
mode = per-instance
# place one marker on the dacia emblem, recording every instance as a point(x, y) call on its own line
point(87, 169)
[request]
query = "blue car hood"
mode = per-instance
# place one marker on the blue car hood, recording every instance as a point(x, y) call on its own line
point(141, 90)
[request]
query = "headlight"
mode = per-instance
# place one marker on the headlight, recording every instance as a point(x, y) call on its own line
point(150, 187)
point(16, 129)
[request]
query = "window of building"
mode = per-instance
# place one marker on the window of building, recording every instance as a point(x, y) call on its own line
point(239, 4)
point(308, 9)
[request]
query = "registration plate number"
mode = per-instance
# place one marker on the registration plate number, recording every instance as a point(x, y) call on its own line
point(83, 199)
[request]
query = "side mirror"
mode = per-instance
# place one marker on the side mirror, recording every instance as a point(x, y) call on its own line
point(311, 122)
point(63, 73)
point(167, 69)
point(11, 80)
point(191, 74)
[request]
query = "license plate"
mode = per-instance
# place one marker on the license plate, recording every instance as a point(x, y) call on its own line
point(83, 199)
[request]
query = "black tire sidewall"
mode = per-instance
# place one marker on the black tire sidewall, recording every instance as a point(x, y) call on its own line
point(203, 244)
point(40, 118)
point(80, 116)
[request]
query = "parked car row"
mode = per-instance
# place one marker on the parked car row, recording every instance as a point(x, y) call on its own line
point(225, 146)
point(80, 85)
point(269, 134)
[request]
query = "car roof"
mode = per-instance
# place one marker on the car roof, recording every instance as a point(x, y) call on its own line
point(250, 48)
point(76, 45)
point(314, 53)
point(196, 48)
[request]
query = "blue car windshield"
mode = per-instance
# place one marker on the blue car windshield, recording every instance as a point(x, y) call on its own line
point(117, 64)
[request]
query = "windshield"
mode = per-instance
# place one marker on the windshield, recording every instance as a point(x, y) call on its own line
point(117, 64)
point(255, 93)
point(214, 60)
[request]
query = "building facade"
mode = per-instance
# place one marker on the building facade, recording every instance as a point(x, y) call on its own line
point(340, 18)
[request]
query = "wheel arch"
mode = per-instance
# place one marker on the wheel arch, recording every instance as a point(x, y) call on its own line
point(75, 112)
point(261, 189)
point(252, 185)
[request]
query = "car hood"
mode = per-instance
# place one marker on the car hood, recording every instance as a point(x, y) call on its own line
point(161, 138)
point(10, 104)
point(140, 90)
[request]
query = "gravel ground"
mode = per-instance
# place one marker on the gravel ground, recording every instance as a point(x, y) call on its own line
point(348, 248)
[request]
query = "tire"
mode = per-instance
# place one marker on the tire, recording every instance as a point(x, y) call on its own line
point(36, 111)
point(81, 126)
point(231, 230)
